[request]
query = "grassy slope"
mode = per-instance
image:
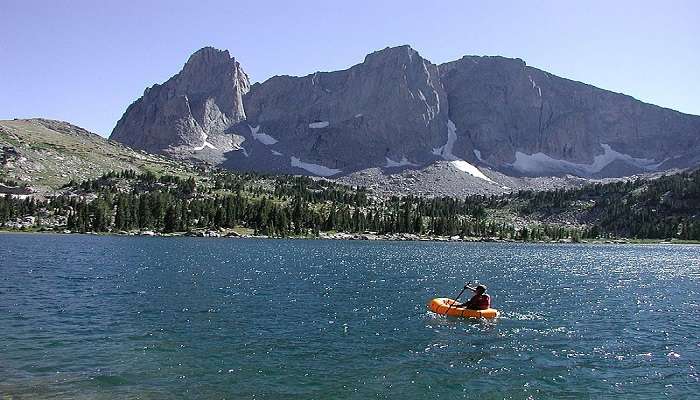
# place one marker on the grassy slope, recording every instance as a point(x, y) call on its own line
point(51, 153)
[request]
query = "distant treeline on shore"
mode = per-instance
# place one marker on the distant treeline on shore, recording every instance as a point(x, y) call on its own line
point(662, 208)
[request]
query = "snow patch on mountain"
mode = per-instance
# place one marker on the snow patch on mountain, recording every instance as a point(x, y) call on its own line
point(205, 144)
point(319, 124)
point(315, 169)
point(470, 169)
point(277, 153)
point(477, 153)
point(262, 137)
point(541, 163)
point(534, 86)
point(393, 164)
point(445, 151)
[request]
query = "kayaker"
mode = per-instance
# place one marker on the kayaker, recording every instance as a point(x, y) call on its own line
point(480, 300)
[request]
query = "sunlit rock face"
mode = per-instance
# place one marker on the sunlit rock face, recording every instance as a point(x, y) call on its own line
point(392, 105)
point(190, 109)
point(397, 110)
point(536, 123)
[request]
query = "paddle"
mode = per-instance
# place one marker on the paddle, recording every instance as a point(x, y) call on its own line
point(458, 296)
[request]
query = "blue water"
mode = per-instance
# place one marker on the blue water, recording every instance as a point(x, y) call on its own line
point(89, 317)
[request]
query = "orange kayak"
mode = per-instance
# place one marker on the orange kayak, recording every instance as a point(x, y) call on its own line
point(445, 306)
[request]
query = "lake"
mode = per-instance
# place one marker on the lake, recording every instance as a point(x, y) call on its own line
point(98, 317)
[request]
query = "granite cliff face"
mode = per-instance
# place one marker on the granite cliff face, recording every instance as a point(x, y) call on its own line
point(390, 107)
point(189, 111)
point(396, 110)
point(513, 116)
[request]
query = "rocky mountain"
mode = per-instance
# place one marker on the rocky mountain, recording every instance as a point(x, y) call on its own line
point(191, 109)
point(520, 119)
point(489, 118)
point(41, 155)
point(390, 107)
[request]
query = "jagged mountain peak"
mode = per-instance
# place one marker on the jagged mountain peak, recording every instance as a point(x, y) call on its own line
point(345, 120)
point(209, 60)
point(401, 53)
point(205, 98)
point(209, 53)
point(209, 66)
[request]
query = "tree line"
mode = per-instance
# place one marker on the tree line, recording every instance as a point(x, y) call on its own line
point(666, 207)
point(660, 208)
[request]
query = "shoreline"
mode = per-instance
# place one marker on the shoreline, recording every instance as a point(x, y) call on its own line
point(398, 237)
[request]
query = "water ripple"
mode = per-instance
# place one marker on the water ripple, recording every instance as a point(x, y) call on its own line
point(123, 317)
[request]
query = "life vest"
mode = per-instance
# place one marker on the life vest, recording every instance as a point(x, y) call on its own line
point(480, 302)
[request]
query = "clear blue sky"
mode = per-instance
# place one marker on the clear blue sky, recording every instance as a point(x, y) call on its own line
point(86, 61)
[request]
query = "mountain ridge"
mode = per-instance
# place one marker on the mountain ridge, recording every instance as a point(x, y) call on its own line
point(572, 80)
point(397, 110)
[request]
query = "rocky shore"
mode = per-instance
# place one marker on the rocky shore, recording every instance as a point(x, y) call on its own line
point(367, 236)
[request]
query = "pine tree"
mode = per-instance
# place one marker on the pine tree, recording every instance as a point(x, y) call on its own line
point(171, 222)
